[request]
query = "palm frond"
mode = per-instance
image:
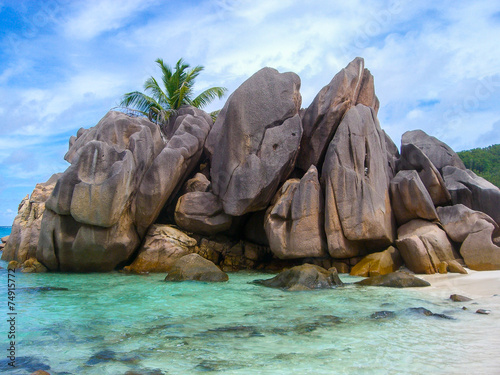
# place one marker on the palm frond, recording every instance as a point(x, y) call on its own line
point(152, 85)
point(207, 96)
point(140, 101)
point(214, 114)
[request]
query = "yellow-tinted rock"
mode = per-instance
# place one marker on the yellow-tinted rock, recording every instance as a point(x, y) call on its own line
point(455, 267)
point(376, 264)
point(341, 267)
point(442, 267)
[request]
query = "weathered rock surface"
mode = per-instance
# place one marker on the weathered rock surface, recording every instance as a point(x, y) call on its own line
point(304, 277)
point(355, 171)
point(194, 267)
point(410, 199)
point(23, 240)
point(352, 85)
point(161, 248)
point(295, 222)
point(31, 265)
point(394, 280)
point(473, 191)
point(439, 153)
point(458, 221)
point(381, 263)
point(255, 140)
point(413, 158)
point(198, 183)
point(459, 298)
point(478, 250)
point(121, 175)
point(201, 212)
point(455, 267)
point(423, 246)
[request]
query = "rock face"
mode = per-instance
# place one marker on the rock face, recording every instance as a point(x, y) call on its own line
point(255, 140)
point(381, 263)
point(121, 175)
point(162, 247)
point(459, 221)
point(473, 191)
point(201, 212)
point(304, 277)
point(410, 199)
point(394, 280)
point(355, 170)
point(23, 240)
point(194, 267)
point(413, 158)
point(352, 85)
point(439, 153)
point(423, 246)
point(294, 224)
point(478, 249)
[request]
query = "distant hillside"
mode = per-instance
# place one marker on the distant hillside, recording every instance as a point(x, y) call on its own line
point(485, 162)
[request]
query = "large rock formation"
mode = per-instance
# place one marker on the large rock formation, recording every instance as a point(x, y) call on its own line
point(23, 239)
point(355, 178)
point(423, 246)
point(473, 191)
point(439, 153)
point(410, 199)
point(294, 224)
point(352, 85)
point(395, 280)
point(121, 175)
point(255, 140)
point(478, 249)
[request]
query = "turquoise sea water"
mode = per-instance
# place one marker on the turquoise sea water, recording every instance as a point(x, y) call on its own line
point(4, 231)
point(129, 324)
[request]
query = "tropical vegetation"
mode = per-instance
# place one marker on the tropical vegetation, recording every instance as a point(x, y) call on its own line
point(160, 100)
point(485, 162)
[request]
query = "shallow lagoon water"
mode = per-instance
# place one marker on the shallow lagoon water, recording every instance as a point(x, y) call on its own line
point(114, 323)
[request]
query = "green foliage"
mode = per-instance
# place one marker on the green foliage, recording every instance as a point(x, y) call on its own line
point(175, 90)
point(485, 162)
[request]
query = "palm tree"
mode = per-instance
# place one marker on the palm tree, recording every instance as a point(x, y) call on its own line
point(177, 91)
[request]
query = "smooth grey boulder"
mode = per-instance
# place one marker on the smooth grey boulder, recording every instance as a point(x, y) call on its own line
point(355, 179)
point(294, 224)
point(122, 173)
point(394, 280)
point(195, 268)
point(198, 183)
point(458, 221)
point(439, 153)
point(201, 212)
point(304, 277)
point(254, 141)
point(352, 85)
point(410, 199)
point(413, 158)
point(473, 191)
point(23, 240)
point(424, 246)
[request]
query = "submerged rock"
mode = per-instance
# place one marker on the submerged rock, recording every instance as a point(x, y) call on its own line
point(383, 315)
point(304, 277)
point(425, 312)
point(459, 298)
point(394, 280)
point(194, 267)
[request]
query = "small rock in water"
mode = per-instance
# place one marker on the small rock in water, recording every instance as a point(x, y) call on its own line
point(424, 311)
point(43, 288)
point(383, 315)
point(102, 356)
point(40, 372)
point(459, 298)
point(482, 311)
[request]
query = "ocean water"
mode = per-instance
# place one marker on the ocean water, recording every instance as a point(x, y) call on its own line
point(118, 324)
point(5, 231)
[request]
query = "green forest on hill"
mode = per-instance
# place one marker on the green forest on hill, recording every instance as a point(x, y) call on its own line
point(485, 162)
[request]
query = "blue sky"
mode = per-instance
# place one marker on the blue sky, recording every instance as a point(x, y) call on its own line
point(65, 63)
